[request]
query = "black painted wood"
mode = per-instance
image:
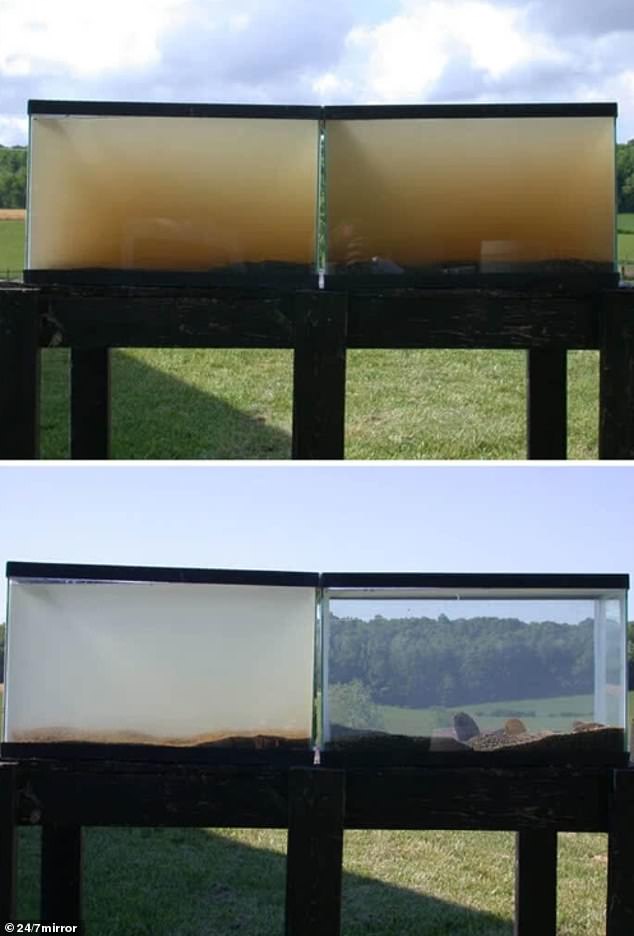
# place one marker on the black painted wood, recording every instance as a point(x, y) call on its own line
point(167, 795)
point(8, 840)
point(522, 798)
point(620, 898)
point(90, 403)
point(61, 874)
point(616, 423)
point(320, 325)
point(19, 374)
point(572, 799)
point(144, 317)
point(473, 318)
point(319, 375)
point(536, 884)
point(315, 851)
point(547, 404)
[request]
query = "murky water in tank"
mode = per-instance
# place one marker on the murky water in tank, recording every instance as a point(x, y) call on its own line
point(172, 193)
point(166, 664)
point(471, 195)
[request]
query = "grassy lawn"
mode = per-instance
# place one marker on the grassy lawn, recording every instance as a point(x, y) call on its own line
point(195, 882)
point(400, 404)
point(626, 238)
point(11, 246)
point(556, 713)
point(237, 404)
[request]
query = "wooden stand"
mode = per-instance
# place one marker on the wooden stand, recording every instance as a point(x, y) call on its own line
point(319, 326)
point(315, 804)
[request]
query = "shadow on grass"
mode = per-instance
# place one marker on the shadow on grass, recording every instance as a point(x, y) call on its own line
point(189, 882)
point(170, 409)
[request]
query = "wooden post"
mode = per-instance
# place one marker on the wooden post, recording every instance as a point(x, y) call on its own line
point(620, 905)
point(616, 420)
point(319, 378)
point(8, 841)
point(546, 398)
point(61, 873)
point(315, 850)
point(19, 374)
point(536, 883)
point(90, 403)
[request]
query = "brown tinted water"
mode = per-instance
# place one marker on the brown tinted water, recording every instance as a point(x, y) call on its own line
point(486, 195)
point(176, 193)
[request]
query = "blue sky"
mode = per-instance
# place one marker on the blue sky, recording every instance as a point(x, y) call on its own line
point(436, 518)
point(296, 51)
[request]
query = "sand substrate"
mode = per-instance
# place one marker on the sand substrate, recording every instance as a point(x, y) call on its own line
point(251, 740)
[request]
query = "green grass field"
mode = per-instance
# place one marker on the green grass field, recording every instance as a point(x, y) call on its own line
point(11, 247)
point(626, 238)
point(150, 882)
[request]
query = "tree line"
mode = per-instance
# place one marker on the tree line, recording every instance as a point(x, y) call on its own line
point(421, 662)
point(13, 176)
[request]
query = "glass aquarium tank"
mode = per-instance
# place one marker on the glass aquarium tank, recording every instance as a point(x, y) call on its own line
point(159, 663)
point(172, 193)
point(453, 194)
point(473, 669)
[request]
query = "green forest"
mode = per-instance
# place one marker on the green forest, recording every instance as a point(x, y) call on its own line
point(421, 662)
point(13, 176)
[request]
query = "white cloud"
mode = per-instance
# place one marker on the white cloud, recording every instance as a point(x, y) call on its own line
point(405, 56)
point(83, 38)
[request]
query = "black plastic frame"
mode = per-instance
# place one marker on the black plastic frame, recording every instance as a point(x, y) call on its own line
point(156, 109)
point(569, 283)
point(315, 112)
point(46, 571)
point(280, 282)
point(473, 580)
point(409, 111)
point(368, 757)
point(63, 571)
point(163, 754)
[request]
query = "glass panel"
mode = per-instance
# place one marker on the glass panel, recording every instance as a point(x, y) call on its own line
point(167, 664)
point(471, 195)
point(217, 194)
point(522, 673)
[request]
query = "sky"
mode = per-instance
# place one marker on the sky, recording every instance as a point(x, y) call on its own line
point(322, 518)
point(298, 51)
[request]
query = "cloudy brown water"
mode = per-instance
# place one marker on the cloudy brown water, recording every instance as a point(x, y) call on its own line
point(172, 193)
point(493, 193)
